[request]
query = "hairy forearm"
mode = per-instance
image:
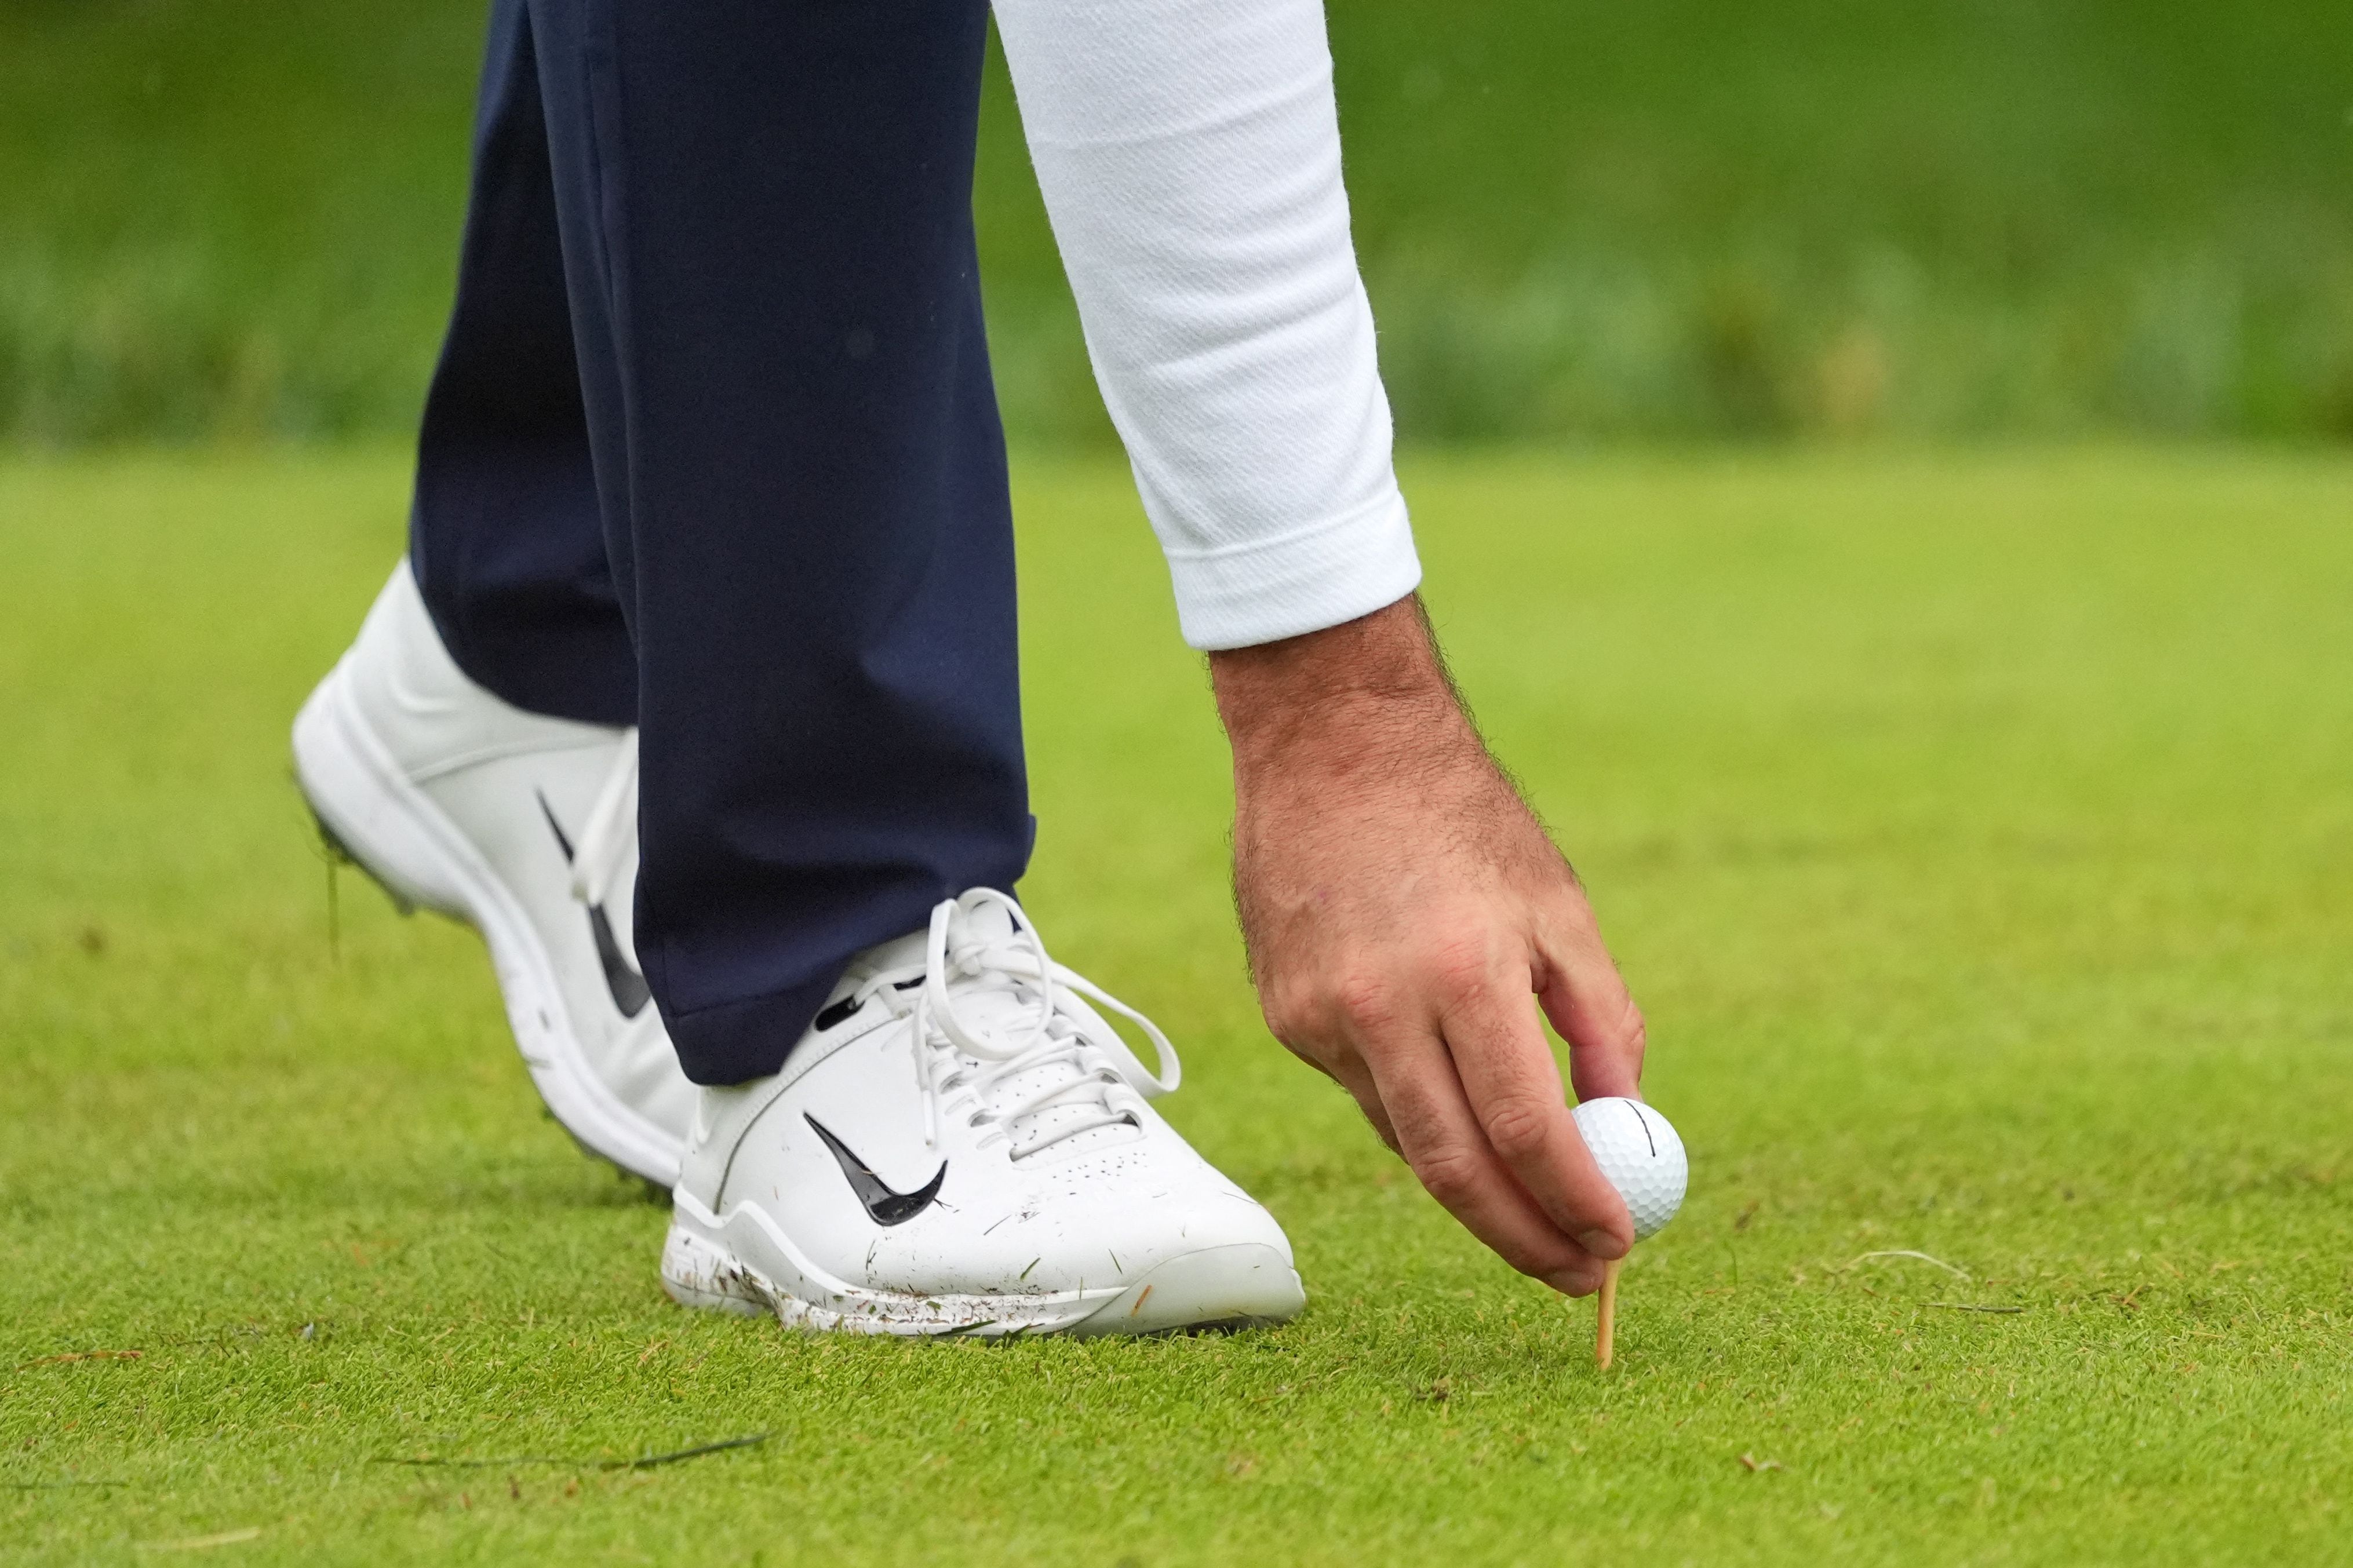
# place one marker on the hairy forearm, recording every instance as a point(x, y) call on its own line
point(1364, 686)
point(1360, 791)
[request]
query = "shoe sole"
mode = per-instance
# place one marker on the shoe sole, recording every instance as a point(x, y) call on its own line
point(392, 830)
point(1239, 1286)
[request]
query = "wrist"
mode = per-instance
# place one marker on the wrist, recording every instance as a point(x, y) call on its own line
point(1335, 691)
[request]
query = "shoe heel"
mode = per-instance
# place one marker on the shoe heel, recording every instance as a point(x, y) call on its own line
point(339, 854)
point(366, 813)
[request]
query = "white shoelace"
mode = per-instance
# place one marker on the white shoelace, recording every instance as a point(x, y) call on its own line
point(960, 957)
point(962, 1066)
point(609, 838)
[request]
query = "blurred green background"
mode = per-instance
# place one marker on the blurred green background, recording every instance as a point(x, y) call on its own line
point(1690, 218)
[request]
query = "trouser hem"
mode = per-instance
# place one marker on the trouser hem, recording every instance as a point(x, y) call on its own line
point(736, 1042)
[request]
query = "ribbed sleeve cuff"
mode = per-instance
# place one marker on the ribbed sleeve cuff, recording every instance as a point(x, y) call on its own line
point(1262, 590)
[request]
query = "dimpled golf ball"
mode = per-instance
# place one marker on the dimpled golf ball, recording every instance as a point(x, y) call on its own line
point(1640, 1155)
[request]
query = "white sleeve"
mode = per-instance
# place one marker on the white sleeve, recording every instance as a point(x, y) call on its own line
point(1189, 153)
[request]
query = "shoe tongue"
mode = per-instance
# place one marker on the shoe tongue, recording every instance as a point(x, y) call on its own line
point(991, 1005)
point(990, 922)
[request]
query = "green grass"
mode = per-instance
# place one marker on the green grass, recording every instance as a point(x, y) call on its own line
point(1977, 831)
point(1577, 219)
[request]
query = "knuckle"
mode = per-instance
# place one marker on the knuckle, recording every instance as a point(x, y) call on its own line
point(1294, 1014)
point(1307, 1045)
point(1308, 1032)
point(1451, 1173)
point(1456, 970)
point(1456, 986)
point(1362, 999)
point(1283, 1018)
point(1519, 1128)
point(1634, 1030)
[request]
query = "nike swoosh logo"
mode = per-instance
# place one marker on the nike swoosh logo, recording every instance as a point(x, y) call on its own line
point(627, 986)
point(883, 1206)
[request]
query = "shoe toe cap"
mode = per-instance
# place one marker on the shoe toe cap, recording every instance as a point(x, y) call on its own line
point(1090, 1228)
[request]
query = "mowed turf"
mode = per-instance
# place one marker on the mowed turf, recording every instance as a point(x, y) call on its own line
point(1977, 832)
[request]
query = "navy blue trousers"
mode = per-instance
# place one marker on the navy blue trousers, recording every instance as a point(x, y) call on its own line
point(712, 448)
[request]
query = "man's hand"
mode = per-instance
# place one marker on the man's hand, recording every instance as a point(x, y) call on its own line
point(1404, 911)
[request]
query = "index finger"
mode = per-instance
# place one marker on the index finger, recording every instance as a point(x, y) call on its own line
point(1439, 1137)
point(1513, 1089)
point(1587, 1002)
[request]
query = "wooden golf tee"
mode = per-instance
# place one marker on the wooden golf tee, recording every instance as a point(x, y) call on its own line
point(1604, 1335)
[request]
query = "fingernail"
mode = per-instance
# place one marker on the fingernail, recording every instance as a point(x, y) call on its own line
point(1602, 1245)
point(1582, 1280)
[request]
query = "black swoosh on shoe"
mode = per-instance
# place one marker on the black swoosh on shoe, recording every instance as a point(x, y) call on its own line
point(883, 1206)
point(627, 986)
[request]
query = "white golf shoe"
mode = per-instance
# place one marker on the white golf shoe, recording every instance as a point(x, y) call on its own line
point(960, 1144)
point(526, 828)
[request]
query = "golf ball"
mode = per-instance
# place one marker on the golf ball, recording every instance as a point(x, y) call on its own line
point(1640, 1155)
